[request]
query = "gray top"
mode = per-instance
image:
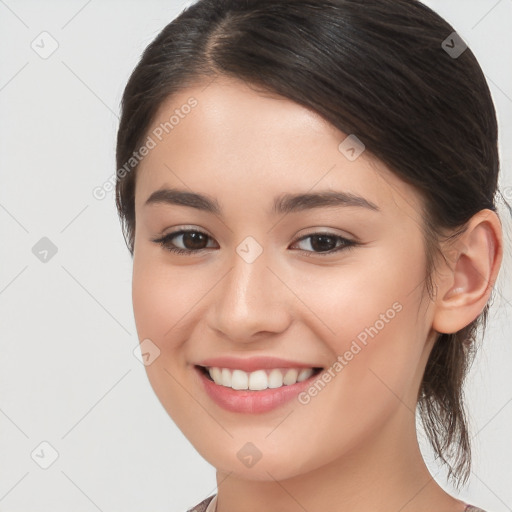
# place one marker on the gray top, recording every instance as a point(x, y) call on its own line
point(209, 505)
point(202, 507)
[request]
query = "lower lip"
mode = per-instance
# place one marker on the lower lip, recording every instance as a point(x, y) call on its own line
point(252, 402)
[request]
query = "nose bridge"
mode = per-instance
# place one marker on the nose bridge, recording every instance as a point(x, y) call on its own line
point(249, 299)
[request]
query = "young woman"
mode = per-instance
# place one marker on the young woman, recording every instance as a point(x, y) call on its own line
point(308, 191)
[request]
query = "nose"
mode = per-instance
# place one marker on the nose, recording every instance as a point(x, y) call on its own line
point(249, 302)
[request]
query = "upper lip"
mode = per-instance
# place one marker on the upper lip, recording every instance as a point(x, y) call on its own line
point(251, 364)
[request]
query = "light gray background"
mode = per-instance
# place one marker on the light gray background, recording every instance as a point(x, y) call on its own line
point(68, 375)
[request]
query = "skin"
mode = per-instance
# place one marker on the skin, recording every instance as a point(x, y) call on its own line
point(353, 447)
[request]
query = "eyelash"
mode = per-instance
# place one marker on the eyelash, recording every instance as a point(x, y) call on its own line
point(165, 243)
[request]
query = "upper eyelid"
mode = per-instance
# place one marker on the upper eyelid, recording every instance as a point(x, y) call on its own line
point(318, 231)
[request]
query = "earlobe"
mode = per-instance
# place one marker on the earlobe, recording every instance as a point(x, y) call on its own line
point(465, 286)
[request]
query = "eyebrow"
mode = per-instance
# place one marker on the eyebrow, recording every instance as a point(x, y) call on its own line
point(283, 204)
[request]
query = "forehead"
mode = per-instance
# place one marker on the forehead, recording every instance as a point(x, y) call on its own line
point(228, 140)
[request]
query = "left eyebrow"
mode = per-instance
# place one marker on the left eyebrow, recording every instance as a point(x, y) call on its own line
point(286, 203)
point(289, 203)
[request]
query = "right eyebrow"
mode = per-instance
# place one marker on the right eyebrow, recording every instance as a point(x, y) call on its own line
point(184, 198)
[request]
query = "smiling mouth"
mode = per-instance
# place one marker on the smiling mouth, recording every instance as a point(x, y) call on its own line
point(257, 380)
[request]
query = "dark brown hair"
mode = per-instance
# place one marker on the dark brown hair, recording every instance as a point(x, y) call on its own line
point(375, 69)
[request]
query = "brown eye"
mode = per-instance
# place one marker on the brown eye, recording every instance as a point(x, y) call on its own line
point(194, 240)
point(184, 241)
point(324, 243)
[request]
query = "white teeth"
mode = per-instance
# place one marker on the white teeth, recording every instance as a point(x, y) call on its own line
point(259, 379)
point(239, 379)
point(290, 377)
point(275, 379)
point(305, 374)
point(226, 377)
point(216, 375)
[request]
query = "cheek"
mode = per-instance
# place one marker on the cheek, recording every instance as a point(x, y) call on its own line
point(371, 321)
point(376, 292)
point(162, 297)
point(150, 294)
point(160, 303)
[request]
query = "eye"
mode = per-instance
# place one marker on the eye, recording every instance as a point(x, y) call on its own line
point(190, 240)
point(324, 244)
point(187, 242)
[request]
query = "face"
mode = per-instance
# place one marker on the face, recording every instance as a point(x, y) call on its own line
point(269, 285)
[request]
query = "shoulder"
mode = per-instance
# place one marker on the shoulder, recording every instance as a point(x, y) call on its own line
point(202, 507)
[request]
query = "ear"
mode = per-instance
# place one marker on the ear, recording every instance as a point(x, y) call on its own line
point(465, 283)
